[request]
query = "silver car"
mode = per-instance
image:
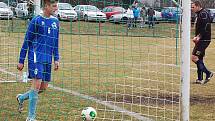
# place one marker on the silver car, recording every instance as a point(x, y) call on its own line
point(89, 13)
point(66, 12)
point(21, 10)
point(5, 11)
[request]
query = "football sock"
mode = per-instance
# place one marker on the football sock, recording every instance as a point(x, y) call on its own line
point(33, 98)
point(24, 96)
point(202, 67)
point(200, 74)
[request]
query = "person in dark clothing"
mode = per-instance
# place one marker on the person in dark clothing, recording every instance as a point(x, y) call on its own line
point(151, 14)
point(202, 40)
point(30, 5)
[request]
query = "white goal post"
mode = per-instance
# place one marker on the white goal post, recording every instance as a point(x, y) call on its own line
point(185, 60)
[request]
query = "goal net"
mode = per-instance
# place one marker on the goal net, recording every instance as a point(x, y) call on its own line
point(125, 74)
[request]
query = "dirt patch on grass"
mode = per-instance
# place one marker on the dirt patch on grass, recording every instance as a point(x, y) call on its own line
point(158, 99)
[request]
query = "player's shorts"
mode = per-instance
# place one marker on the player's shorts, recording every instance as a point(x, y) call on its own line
point(199, 49)
point(40, 71)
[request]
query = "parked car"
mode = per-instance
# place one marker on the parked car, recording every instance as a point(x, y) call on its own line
point(5, 11)
point(123, 17)
point(21, 10)
point(212, 13)
point(111, 10)
point(66, 12)
point(158, 16)
point(89, 13)
point(171, 13)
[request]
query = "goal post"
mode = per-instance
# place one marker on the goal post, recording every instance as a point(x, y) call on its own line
point(185, 60)
point(125, 74)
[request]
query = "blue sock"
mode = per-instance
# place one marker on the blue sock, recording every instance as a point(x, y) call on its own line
point(24, 96)
point(33, 97)
point(202, 67)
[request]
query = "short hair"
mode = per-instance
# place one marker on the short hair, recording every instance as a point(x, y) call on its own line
point(45, 2)
point(197, 3)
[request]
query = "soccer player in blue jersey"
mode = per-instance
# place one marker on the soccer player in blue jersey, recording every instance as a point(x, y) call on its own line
point(41, 43)
point(202, 40)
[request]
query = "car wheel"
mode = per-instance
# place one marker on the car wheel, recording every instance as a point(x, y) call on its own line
point(85, 18)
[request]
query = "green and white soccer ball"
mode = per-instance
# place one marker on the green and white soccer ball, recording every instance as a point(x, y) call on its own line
point(88, 114)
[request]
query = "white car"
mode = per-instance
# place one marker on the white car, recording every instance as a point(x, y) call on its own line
point(123, 17)
point(5, 11)
point(21, 10)
point(158, 16)
point(90, 13)
point(66, 12)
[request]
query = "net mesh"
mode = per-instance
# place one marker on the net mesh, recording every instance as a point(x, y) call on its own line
point(125, 74)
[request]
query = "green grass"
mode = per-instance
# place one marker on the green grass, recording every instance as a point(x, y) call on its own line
point(124, 70)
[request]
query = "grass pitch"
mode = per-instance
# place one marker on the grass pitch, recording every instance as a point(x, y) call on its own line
point(138, 74)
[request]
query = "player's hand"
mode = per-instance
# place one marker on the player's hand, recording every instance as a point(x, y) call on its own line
point(56, 65)
point(20, 66)
point(196, 39)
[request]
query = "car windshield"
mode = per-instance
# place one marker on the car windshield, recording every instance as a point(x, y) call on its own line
point(91, 8)
point(64, 7)
point(3, 5)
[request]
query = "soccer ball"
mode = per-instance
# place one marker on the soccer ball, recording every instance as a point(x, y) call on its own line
point(88, 114)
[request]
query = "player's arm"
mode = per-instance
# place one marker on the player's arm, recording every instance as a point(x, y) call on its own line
point(29, 36)
point(56, 49)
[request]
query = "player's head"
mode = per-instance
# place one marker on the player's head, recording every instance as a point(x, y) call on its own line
point(196, 6)
point(49, 7)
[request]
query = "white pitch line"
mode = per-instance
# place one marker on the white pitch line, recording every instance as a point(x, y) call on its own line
point(116, 108)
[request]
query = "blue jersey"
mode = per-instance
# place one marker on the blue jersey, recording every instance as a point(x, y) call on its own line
point(136, 12)
point(41, 40)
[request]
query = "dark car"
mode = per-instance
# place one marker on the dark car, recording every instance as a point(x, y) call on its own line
point(171, 13)
point(112, 10)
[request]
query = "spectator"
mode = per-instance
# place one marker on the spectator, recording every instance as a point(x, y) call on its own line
point(151, 14)
point(142, 16)
point(136, 13)
point(135, 3)
point(30, 5)
point(129, 12)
